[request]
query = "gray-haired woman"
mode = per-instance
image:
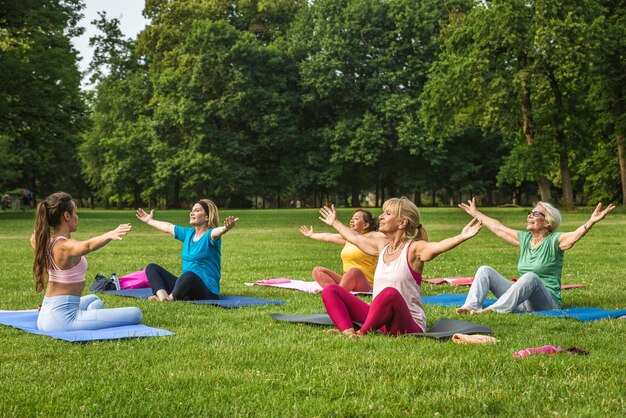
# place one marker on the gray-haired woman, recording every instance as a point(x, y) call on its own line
point(540, 263)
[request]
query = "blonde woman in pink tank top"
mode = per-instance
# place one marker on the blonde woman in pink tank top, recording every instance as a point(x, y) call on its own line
point(396, 307)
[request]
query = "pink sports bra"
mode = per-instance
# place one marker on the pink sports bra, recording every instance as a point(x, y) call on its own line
point(74, 275)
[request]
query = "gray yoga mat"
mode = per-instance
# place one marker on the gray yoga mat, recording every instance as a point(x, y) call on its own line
point(442, 328)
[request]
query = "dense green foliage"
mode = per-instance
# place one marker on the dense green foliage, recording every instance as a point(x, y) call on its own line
point(256, 102)
point(41, 104)
point(240, 362)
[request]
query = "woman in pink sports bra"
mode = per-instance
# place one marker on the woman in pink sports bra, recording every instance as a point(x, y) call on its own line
point(61, 260)
point(396, 306)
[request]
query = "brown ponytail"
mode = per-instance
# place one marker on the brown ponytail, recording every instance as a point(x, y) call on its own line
point(49, 215)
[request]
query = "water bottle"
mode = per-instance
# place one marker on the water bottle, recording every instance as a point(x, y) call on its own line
point(116, 281)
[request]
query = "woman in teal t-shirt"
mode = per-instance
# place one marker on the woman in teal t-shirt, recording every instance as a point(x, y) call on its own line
point(201, 255)
point(540, 262)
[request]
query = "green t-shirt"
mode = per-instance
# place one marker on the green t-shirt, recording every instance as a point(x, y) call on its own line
point(546, 261)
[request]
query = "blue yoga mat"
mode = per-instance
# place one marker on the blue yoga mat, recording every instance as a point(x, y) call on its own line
point(452, 299)
point(223, 301)
point(27, 321)
point(582, 314)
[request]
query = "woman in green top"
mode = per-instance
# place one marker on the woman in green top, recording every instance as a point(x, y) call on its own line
point(540, 263)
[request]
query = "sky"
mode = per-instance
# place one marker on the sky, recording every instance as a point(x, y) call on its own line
point(127, 11)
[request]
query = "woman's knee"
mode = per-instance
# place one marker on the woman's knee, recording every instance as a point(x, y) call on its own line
point(354, 271)
point(318, 271)
point(484, 271)
point(389, 294)
point(152, 267)
point(189, 277)
point(331, 290)
point(135, 314)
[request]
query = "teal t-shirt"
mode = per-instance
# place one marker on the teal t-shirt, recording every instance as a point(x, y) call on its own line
point(202, 257)
point(546, 261)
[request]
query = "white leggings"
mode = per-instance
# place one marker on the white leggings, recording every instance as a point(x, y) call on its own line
point(527, 294)
point(74, 313)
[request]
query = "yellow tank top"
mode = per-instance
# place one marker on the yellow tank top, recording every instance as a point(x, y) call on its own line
point(352, 256)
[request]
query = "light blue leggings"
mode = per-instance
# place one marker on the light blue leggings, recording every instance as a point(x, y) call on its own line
point(527, 294)
point(74, 313)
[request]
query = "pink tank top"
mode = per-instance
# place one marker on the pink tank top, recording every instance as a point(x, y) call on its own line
point(399, 275)
point(74, 275)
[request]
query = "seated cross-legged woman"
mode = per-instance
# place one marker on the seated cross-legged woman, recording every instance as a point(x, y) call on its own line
point(61, 259)
point(403, 249)
point(540, 261)
point(201, 255)
point(358, 267)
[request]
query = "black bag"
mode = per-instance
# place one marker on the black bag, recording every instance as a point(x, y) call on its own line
point(101, 284)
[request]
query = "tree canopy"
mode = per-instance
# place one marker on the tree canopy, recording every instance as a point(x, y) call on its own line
point(255, 102)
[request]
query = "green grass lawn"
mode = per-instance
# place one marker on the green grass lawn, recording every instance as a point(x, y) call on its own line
point(241, 362)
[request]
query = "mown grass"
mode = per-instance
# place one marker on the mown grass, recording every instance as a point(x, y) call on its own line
point(232, 362)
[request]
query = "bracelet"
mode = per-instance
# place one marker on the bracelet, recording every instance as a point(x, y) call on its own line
point(585, 226)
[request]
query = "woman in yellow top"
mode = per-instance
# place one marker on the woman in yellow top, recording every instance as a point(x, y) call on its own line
point(358, 267)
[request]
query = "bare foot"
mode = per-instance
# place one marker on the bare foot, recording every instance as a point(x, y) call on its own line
point(356, 335)
point(482, 311)
point(160, 296)
point(464, 310)
point(349, 332)
point(334, 331)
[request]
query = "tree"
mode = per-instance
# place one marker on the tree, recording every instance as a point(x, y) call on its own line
point(41, 105)
point(608, 91)
point(221, 123)
point(518, 68)
point(115, 153)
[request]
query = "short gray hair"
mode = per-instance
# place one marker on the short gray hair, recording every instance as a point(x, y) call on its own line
point(553, 216)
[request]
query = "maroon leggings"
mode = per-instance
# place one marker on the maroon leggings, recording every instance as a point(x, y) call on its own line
point(387, 313)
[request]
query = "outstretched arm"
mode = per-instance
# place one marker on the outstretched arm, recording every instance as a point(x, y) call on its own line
point(369, 245)
point(148, 218)
point(229, 224)
point(568, 239)
point(74, 248)
point(426, 251)
point(307, 231)
point(495, 226)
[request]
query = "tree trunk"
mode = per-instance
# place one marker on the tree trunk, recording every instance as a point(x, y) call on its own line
point(176, 194)
point(417, 199)
point(566, 178)
point(529, 126)
point(619, 138)
point(356, 186)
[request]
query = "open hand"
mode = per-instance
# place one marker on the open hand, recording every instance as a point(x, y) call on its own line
point(471, 228)
point(470, 207)
point(599, 214)
point(120, 232)
point(229, 223)
point(306, 231)
point(143, 216)
point(328, 215)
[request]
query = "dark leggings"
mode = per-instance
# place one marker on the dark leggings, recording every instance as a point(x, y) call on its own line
point(186, 287)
